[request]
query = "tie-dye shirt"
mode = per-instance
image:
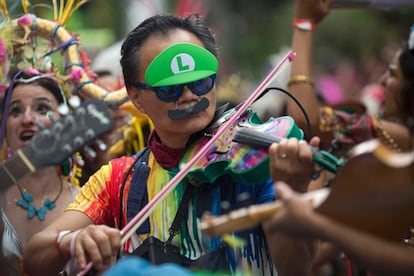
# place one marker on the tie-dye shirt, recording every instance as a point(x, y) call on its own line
point(100, 197)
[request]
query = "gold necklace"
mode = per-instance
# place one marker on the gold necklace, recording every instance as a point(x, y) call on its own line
point(384, 136)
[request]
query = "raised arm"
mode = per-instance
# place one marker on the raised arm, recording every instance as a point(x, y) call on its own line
point(307, 14)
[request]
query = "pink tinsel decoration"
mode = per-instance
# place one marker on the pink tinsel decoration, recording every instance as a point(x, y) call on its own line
point(2, 89)
point(24, 20)
point(32, 71)
point(76, 75)
point(3, 51)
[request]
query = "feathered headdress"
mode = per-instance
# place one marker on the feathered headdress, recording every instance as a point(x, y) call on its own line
point(28, 43)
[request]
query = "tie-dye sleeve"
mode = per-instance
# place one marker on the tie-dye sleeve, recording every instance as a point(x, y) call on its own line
point(99, 197)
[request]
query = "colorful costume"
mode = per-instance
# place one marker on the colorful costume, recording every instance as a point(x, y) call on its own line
point(350, 129)
point(100, 201)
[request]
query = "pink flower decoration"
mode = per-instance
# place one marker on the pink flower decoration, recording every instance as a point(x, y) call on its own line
point(24, 20)
point(76, 75)
point(32, 71)
point(3, 51)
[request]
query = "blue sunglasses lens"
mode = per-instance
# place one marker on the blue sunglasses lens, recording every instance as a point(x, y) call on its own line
point(202, 87)
point(168, 93)
point(172, 93)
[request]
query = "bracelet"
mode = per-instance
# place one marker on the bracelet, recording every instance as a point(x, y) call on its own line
point(59, 238)
point(304, 25)
point(298, 79)
point(71, 267)
point(73, 241)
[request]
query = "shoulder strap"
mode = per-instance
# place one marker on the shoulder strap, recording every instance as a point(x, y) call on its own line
point(138, 187)
point(182, 208)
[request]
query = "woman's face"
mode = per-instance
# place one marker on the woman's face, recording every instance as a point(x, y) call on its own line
point(173, 133)
point(391, 82)
point(29, 102)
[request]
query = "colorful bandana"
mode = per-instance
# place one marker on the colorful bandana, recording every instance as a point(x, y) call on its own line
point(181, 63)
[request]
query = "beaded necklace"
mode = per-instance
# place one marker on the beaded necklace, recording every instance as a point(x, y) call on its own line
point(385, 136)
point(32, 211)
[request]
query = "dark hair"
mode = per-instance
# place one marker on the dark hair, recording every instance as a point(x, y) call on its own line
point(47, 83)
point(160, 24)
point(406, 96)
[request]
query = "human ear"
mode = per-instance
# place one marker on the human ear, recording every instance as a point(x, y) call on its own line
point(135, 97)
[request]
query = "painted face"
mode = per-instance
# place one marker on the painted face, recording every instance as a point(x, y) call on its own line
point(391, 82)
point(28, 103)
point(173, 133)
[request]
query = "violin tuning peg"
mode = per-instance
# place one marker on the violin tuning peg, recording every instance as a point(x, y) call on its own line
point(244, 199)
point(225, 207)
point(315, 174)
point(335, 146)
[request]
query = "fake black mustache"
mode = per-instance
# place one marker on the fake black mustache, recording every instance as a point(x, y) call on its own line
point(179, 114)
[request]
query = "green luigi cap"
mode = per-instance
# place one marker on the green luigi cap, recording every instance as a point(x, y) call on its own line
point(181, 63)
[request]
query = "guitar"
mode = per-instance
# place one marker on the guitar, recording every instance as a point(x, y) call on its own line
point(372, 192)
point(53, 144)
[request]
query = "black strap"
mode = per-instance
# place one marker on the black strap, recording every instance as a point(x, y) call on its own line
point(180, 212)
point(141, 156)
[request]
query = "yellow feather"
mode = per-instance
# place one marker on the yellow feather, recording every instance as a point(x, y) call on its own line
point(25, 5)
point(55, 11)
point(4, 10)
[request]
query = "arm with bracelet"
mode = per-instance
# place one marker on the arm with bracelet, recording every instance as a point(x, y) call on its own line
point(307, 14)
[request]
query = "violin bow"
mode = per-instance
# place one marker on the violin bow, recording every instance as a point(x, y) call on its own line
point(142, 215)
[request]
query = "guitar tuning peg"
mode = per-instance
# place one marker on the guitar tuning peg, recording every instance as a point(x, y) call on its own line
point(225, 207)
point(63, 109)
point(78, 160)
point(90, 154)
point(75, 101)
point(101, 145)
point(244, 199)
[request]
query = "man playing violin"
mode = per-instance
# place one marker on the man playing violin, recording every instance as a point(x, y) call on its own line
point(169, 66)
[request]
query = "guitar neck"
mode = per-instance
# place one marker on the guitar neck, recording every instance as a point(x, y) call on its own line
point(13, 169)
point(253, 215)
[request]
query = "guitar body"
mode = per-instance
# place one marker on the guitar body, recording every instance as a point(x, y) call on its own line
point(374, 192)
point(239, 160)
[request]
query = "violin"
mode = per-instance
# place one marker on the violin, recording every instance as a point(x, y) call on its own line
point(241, 161)
point(373, 192)
point(242, 151)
